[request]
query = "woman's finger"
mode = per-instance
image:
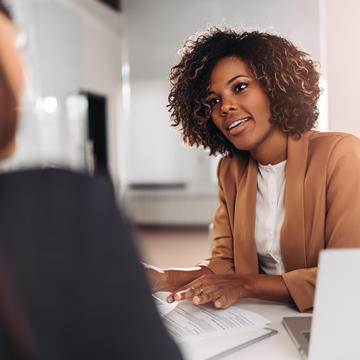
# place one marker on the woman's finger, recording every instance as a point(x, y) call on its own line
point(211, 293)
point(224, 301)
point(204, 298)
point(205, 283)
point(181, 294)
point(186, 292)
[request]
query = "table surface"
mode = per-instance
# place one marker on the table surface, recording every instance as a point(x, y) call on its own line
point(279, 346)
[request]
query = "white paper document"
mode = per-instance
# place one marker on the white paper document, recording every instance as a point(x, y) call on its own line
point(227, 347)
point(188, 322)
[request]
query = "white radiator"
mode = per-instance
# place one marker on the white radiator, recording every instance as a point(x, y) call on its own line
point(188, 207)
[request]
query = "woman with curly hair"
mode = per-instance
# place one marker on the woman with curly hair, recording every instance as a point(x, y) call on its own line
point(285, 191)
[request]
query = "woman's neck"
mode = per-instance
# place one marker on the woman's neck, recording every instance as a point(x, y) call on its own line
point(272, 150)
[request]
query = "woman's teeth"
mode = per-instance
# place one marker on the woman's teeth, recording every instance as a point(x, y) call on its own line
point(239, 122)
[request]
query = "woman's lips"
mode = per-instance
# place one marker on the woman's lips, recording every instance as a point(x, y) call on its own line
point(238, 126)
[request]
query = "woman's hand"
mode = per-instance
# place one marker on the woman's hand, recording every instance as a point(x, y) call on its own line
point(222, 290)
point(172, 279)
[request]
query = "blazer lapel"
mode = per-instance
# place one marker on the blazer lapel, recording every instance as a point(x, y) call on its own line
point(245, 253)
point(292, 239)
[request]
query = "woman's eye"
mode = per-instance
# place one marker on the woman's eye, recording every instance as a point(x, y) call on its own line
point(212, 102)
point(240, 86)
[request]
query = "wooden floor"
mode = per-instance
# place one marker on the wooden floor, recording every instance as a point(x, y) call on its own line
point(172, 247)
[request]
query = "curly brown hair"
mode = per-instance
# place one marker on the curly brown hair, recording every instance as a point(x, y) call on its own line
point(288, 76)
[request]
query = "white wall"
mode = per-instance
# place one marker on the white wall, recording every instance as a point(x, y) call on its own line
point(343, 72)
point(155, 30)
point(72, 39)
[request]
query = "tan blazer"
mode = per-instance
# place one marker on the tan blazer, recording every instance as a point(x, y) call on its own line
point(322, 203)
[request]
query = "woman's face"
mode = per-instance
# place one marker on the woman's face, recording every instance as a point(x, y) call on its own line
point(240, 108)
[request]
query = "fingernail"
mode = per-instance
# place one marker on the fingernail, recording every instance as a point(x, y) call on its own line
point(170, 299)
point(218, 304)
point(196, 299)
point(179, 293)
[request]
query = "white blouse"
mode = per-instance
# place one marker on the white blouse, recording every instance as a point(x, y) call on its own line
point(270, 213)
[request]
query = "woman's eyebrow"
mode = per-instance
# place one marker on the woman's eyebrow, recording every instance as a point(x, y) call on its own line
point(229, 82)
point(234, 78)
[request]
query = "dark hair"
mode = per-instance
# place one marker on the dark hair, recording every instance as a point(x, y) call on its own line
point(5, 10)
point(288, 76)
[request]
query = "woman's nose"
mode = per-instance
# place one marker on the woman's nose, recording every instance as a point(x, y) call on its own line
point(228, 105)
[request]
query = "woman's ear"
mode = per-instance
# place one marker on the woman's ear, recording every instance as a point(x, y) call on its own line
point(11, 86)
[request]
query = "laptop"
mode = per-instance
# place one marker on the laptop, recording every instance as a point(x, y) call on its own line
point(333, 330)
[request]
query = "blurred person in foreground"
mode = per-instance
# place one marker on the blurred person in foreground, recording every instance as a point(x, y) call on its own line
point(62, 246)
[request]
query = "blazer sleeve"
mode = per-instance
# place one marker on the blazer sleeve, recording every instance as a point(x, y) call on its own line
point(343, 195)
point(342, 226)
point(301, 285)
point(222, 258)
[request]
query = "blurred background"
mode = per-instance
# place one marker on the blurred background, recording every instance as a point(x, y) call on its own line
point(97, 87)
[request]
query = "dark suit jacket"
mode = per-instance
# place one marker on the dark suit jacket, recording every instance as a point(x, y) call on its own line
point(75, 270)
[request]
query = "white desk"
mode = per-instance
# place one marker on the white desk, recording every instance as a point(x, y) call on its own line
point(277, 347)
